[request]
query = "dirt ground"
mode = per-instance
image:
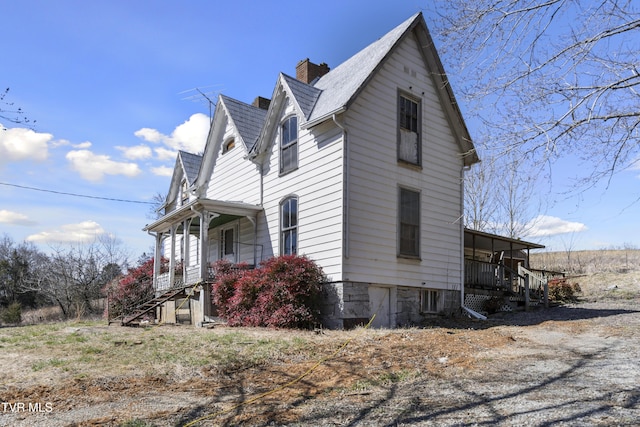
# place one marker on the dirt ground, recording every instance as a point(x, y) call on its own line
point(577, 364)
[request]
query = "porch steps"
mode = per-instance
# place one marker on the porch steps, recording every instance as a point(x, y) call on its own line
point(150, 305)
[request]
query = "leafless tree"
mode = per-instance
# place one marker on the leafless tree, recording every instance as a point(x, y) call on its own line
point(500, 196)
point(550, 78)
point(155, 209)
point(10, 113)
point(73, 276)
point(480, 204)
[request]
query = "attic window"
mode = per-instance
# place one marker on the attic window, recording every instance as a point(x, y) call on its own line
point(184, 193)
point(409, 130)
point(228, 145)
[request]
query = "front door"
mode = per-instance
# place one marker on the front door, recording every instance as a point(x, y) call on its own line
point(228, 244)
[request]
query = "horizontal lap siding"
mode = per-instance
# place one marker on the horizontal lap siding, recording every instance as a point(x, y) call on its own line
point(318, 184)
point(372, 126)
point(234, 178)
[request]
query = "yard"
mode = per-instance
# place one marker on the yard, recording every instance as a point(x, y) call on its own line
point(575, 364)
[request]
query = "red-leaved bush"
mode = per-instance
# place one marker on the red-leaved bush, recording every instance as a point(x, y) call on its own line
point(130, 290)
point(284, 292)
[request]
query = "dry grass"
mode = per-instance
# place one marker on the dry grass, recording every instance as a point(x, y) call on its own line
point(588, 262)
point(94, 374)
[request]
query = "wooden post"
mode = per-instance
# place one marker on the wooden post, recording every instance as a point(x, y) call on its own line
point(526, 292)
point(546, 293)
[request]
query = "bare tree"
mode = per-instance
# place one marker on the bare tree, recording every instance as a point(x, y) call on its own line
point(9, 112)
point(157, 203)
point(480, 203)
point(500, 196)
point(550, 77)
point(72, 277)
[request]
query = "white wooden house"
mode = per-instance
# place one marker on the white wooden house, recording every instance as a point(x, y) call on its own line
point(359, 167)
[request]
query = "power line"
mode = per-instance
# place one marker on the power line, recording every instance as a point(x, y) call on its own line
point(76, 195)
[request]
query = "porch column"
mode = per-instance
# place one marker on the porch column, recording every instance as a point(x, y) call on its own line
point(172, 258)
point(204, 245)
point(185, 250)
point(157, 261)
point(254, 222)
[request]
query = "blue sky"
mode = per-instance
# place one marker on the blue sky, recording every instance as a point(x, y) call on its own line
point(112, 87)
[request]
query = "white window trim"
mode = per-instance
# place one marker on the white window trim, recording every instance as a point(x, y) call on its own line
point(282, 230)
point(418, 101)
point(291, 144)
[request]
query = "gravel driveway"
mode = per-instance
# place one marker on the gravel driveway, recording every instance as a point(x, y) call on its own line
point(576, 365)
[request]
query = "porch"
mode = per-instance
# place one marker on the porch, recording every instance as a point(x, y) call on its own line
point(497, 273)
point(189, 239)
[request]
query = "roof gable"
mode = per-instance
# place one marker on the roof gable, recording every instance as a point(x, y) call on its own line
point(304, 94)
point(187, 167)
point(190, 165)
point(340, 85)
point(247, 119)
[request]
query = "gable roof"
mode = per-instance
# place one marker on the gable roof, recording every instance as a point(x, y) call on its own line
point(305, 94)
point(340, 85)
point(190, 165)
point(247, 119)
point(334, 92)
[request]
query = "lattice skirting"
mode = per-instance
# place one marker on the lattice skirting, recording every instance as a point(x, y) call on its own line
point(477, 303)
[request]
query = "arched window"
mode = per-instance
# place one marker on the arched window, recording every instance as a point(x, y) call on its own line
point(289, 145)
point(289, 226)
point(228, 145)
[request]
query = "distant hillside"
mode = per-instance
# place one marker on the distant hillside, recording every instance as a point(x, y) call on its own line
point(588, 262)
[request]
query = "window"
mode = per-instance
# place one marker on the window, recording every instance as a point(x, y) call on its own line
point(409, 130)
point(184, 193)
point(409, 223)
point(289, 226)
point(227, 249)
point(228, 146)
point(429, 301)
point(289, 145)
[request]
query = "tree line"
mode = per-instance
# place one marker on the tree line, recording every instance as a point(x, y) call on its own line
point(70, 277)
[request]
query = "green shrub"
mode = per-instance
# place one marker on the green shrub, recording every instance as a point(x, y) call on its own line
point(12, 314)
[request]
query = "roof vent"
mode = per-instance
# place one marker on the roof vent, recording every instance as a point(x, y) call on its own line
point(307, 71)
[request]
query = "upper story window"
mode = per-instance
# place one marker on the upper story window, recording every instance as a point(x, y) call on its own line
point(289, 226)
point(409, 130)
point(289, 145)
point(184, 193)
point(409, 223)
point(228, 146)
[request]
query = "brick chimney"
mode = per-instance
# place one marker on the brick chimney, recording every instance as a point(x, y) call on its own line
point(262, 103)
point(307, 71)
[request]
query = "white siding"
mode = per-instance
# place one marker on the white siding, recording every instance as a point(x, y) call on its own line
point(318, 184)
point(372, 127)
point(234, 178)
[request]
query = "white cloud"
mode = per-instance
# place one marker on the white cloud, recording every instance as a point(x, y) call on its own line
point(190, 136)
point(544, 225)
point(67, 143)
point(139, 152)
point(165, 154)
point(94, 167)
point(162, 171)
point(23, 144)
point(82, 232)
point(14, 218)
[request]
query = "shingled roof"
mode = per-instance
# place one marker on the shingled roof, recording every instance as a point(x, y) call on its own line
point(190, 164)
point(247, 119)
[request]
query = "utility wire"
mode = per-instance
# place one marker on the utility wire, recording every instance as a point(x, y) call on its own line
point(76, 195)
